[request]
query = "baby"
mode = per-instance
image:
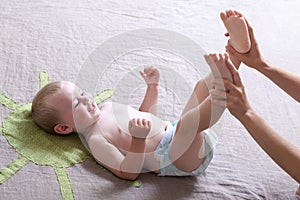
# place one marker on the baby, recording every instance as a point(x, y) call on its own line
point(127, 141)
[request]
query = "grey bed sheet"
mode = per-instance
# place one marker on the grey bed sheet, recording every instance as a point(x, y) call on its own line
point(59, 36)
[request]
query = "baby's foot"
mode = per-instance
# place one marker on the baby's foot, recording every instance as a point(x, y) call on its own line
point(237, 30)
point(217, 64)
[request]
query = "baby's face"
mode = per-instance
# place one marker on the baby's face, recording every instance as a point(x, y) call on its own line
point(76, 107)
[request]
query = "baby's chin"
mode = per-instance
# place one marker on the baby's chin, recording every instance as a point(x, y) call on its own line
point(98, 115)
point(98, 118)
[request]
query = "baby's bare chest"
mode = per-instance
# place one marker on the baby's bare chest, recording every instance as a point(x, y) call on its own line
point(114, 125)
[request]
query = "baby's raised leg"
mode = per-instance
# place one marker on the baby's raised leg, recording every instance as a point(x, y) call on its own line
point(201, 90)
point(200, 93)
point(188, 139)
point(237, 30)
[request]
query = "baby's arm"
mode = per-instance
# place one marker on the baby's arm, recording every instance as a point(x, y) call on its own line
point(128, 166)
point(151, 77)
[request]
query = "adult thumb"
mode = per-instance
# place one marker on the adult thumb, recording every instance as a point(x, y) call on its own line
point(231, 51)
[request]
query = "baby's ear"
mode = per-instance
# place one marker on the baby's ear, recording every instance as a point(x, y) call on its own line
point(63, 129)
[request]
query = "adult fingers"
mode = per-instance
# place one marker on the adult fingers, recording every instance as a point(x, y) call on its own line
point(235, 74)
point(251, 32)
point(231, 51)
point(232, 89)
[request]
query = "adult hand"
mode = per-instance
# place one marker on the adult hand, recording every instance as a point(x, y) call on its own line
point(236, 99)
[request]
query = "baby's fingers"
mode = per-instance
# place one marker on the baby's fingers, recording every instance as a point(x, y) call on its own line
point(149, 70)
point(143, 74)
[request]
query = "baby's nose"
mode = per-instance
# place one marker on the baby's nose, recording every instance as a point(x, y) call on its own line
point(86, 100)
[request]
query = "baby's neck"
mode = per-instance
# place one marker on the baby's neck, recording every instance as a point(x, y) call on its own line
point(87, 132)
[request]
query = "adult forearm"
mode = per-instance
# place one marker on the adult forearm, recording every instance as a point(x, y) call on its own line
point(133, 162)
point(285, 154)
point(287, 81)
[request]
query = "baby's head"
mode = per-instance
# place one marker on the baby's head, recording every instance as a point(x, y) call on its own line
point(58, 105)
point(44, 114)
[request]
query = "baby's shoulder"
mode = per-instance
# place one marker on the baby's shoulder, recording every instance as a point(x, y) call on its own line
point(96, 140)
point(96, 136)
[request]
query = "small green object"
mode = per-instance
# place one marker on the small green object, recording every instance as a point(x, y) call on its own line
point(44, 79)
point(137, 183)
point(105, 94)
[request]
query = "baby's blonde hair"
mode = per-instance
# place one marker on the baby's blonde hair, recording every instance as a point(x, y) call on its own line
point(45, 115)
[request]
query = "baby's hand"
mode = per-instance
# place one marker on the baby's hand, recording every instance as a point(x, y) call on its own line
point(139, 128)
point(150, 75)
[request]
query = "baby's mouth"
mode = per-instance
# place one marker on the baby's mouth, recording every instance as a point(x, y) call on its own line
point(93, 107)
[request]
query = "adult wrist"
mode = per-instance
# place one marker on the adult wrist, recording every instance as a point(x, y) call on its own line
point(247, 116)
point(265, 65)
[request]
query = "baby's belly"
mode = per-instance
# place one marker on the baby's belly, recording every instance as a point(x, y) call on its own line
point(123, 142)
point(158, 128)
point(123, 114)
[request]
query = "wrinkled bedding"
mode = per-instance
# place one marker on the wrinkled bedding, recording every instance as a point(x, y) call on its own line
point(59, 37)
